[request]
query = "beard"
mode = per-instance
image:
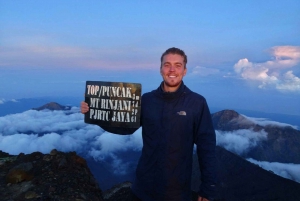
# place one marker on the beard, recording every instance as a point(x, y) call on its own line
point(171, 84)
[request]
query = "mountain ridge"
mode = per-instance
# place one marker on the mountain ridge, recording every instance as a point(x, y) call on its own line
point(238, 178)
point(280, 142)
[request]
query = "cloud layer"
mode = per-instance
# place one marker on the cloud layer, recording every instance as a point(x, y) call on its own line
point(289, 171)
point(265, 122)
point(43, 131)
point(275, 73)
point(240, 141)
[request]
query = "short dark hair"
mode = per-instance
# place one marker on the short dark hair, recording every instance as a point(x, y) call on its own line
point(174, 50)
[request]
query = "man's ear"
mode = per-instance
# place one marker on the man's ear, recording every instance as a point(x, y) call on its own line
point(185, 71)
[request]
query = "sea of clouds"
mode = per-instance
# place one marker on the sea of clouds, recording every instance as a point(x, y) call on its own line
point(66, 131)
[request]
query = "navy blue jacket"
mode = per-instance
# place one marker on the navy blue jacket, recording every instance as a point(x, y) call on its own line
point(171, 124)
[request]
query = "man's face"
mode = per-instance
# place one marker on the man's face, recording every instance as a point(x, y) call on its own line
point(172, 70)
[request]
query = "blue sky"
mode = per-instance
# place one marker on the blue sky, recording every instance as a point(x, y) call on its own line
point(241, 54)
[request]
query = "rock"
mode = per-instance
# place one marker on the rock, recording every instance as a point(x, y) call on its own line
point(79, 160)
point(62, 163)
point(31, 194)
point(24, 166)
point(18, 175)
point(119, 192)
point(37, 176)
point(53, 152)
point(47, 157)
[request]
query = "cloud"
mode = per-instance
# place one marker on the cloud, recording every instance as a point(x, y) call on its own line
point(36, 55)
point(48, 52)
point(33, 121)
point(291, 82)
point(240, 141)
point(203, 71)
point(108, 143)
point(273, 73)
point(292, 53)
point(2, 100)
point(66, 131)
point(288, 171)
point(107, 146)
point(265, 122)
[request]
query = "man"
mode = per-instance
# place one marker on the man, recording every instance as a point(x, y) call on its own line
point(174, 119)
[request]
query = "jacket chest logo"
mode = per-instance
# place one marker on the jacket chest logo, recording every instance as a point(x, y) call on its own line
point(182, 113)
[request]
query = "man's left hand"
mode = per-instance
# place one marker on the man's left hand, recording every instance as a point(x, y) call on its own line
point(202, 199)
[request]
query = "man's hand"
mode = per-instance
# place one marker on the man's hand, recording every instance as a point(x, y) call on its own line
point(84, 107)
point(202, 199)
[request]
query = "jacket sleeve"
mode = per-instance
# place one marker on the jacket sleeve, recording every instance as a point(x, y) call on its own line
point(205, 139)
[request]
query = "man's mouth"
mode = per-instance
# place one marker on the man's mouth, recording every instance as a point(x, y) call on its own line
point(172, 76)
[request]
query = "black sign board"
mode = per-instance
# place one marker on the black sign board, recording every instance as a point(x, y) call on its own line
point(114, 106)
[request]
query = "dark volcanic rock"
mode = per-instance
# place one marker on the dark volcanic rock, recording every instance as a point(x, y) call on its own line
point(282, 145)
point(3, 154)
point(54, 176)
point(119, 192)
point(239, 180)
point(52, 106)
point(122, 192)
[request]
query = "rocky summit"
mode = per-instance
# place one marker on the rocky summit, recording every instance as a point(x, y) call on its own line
point(52, 106)
point(54, 176)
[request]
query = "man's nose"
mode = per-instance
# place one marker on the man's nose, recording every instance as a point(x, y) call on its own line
point(172, 68)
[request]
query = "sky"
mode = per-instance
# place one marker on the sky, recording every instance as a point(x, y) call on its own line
point(66, 131)
point(241, 54)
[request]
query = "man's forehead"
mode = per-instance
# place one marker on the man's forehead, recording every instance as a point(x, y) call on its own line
point(177, 57)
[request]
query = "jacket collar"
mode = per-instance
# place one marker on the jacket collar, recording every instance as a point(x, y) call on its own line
point(170, 95)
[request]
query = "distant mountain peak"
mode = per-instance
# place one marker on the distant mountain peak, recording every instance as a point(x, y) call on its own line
point(281, 145)
point(52, 106)
point(228, 120)
point(227, 114)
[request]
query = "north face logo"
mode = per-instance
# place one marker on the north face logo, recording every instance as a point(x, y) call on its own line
point(182, 113)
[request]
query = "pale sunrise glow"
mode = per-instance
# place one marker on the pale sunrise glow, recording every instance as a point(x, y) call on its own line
point(237, 53)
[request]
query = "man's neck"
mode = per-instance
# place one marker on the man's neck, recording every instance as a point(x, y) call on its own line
point(170, 89)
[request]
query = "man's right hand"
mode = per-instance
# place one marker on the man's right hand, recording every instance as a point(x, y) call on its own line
point(84, 107)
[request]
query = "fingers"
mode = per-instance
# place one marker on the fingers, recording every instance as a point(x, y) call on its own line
point(202, 199)
point(84, 108)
